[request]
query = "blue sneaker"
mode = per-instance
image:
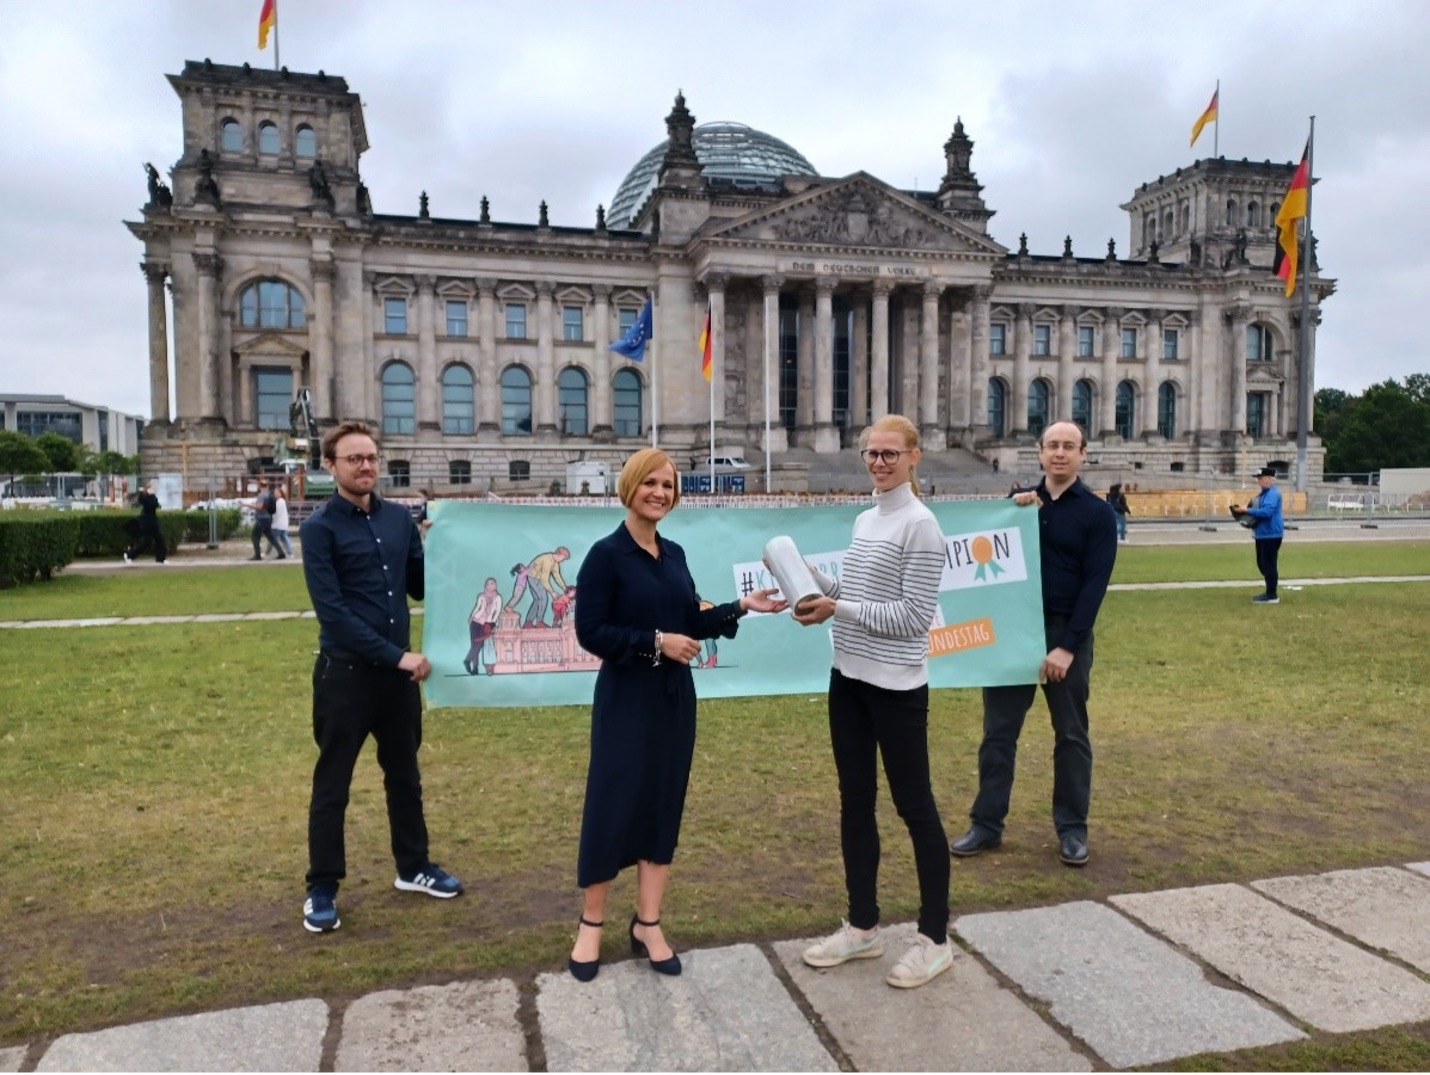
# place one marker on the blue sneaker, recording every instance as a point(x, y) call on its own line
point(320, 910)
point(431, 879)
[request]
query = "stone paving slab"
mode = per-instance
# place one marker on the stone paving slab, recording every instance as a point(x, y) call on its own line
point(272, 615)
point(465, 1026)
point(728, 1011)
point(963, 1020)
point(1419, 867)
point(100, 621)
point(1131, 997)
point(219, 617)
point(1385, 907)
point(11, 1059)
point(146, 621)
point(1315, 976)
point(271, 1037)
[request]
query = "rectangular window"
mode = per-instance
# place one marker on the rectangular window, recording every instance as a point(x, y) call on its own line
point(394, 316)
point(997, 339)
point(1042, 340)
point(399, 473)
point(1084, 341)
point(518, 470)
point(625, 318)
point(573, 327)
point(33, 423)
point(1129, 343)
point(516, 320)
point(456, 317)
point(459, 472)
point(1256, 411)
point(1170, 339)
point(272, 394)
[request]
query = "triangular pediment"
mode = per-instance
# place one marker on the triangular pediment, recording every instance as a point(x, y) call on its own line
point(270, 343)
point(859, 213)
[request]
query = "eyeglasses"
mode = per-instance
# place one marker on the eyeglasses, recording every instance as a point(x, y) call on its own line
point(887, 456)
point(359, 460)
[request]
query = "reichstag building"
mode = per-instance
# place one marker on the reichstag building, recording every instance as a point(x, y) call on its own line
point(479, 346)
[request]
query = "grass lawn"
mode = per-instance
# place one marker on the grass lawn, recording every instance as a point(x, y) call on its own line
point(156, 783)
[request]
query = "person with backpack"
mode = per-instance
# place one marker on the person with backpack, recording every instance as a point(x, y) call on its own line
point(263, 508)
point(1118, 499)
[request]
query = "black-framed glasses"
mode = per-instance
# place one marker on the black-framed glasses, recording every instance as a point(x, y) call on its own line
point(359, 460)
point(887, 456)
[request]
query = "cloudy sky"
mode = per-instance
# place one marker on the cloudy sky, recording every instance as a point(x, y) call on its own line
point(1071, 107)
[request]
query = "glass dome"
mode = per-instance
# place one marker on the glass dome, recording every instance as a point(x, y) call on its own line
point(727, 151)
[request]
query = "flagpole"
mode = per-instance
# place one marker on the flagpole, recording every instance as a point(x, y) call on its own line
point(767, 386)
point(1304, 396)
point(713, 351)
point(654, 381)
point(276, 66)
point(1216, 131)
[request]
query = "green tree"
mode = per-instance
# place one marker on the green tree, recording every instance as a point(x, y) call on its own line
point(62, 452)
point(1385, 427)
point(1418, 385)
point(1330, 407)
point(20, 455)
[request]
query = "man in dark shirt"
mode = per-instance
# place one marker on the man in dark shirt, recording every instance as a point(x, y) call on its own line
point(362, 558)
point(146, 529)
point(1078, 537)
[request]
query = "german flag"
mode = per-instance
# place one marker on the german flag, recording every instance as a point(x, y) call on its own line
point(1293, 209)
point(706, 356)
point(1209, 116)
point(267, 20)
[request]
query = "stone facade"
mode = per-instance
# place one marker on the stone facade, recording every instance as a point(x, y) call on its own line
point(479, 347)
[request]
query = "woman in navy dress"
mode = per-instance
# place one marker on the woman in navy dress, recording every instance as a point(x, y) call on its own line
point(638, 611)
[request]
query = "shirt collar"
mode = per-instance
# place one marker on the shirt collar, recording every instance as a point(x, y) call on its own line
point(896, 498)
point(345, 505)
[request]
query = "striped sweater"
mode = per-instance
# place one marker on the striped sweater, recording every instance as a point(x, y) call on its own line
point(887, 593)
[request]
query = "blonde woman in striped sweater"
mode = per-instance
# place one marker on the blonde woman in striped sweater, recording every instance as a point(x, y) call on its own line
point(882, 607)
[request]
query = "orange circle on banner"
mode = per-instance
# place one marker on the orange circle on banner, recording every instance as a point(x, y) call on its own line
point(982, 549)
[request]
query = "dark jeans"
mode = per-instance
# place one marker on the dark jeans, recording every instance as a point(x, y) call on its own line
point(1004, 709)
point(865, 721)
point(263, 527)
point(146, 537)
point(352, 700)
point(1267, 551)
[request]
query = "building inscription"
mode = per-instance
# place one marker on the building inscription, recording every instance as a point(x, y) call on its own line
point(854, 268)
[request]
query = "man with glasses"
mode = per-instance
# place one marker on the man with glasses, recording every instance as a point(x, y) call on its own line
point(362, 558)
point(1078, 541)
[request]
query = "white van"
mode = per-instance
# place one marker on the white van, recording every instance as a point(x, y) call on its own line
point(725, 464)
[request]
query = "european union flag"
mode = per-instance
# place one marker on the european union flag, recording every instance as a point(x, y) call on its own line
point(632, 344)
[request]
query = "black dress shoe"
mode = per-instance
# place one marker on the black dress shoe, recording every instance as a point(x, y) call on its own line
point(1072, 849)
point(973, 841)
point(669, 966)
point(587, 969)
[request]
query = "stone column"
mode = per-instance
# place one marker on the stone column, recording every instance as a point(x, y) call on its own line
point(715, 286)
point(1067, 347)
point(778, 438)
point(826, 437)
point(371, 404)
point(879, 352)
point(429, 392)
point(804, 369)
point(209, 266)
point(1152, 372)
point(1111, 348)
point(488, 375)
point(322, 272)
point(602, 417)
point(545, 359)
point(859, 364)
point(1022, 378)
point(1239, 318)
point(978, 360)
point(155, 273)
point(930, 431)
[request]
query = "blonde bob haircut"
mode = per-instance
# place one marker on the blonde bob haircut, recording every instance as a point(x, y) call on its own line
point(895, 423)
point(641, 466)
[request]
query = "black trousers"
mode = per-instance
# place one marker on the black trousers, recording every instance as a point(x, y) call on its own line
point(145, 538)
point(263, 528)
point(865, 721)
point(1004, 709)
point(352, 700)
point(1267, 552)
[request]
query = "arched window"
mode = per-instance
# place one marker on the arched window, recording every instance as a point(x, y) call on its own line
point(271, 304)
point(997, 407)
point(1231, 212)
point(399, 398)
point(515, 400)
point(1258, 343)
point(230, 136)
point(1167, 410)
point(268, 137)
point(1149, 229)
point(1082, 403)
point(305, 142)
point(1168, 221)
point(626, 403)
point(458, 400)
point(1126, 409)
point(1271, 219)
point(1037, 407)
point(1186, 218)
point(571, 393)
point(1252, 219)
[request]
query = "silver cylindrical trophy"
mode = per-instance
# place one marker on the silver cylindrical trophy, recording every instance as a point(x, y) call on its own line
point(796, 581)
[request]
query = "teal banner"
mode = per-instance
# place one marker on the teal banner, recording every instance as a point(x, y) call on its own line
point(500, 622)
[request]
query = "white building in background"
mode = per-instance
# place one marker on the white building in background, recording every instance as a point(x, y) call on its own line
point(478, 346)
point(101, 428)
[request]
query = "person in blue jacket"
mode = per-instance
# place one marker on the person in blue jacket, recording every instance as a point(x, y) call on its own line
point(638, 611)
point(1266, 510)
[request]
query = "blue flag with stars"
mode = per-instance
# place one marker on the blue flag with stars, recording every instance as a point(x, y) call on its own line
point(632, 344)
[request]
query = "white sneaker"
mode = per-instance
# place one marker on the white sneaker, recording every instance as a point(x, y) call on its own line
point(921, 963)
point(848, 943)
point(127, 560)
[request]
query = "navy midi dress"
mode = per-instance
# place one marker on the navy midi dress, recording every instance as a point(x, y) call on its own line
point(643, 716)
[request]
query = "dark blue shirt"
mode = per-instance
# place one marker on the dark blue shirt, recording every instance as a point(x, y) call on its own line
point(1078, 536)
point(361, 567)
